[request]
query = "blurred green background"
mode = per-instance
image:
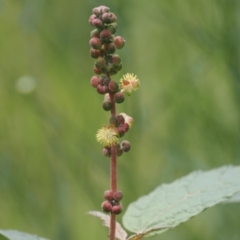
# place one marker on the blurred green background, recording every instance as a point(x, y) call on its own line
point(186, 113)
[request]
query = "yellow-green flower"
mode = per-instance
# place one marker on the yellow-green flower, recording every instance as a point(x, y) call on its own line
point(107, 136)
point(128, 83)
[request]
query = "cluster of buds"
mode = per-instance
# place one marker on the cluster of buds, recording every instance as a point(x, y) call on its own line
point(103, 45)
point(109, 135)
point(112, 202)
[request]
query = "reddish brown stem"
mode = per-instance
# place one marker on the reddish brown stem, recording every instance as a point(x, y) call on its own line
point(113, 174)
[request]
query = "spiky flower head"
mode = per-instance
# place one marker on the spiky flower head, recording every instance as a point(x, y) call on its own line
point(107, 136)
point(128, 83)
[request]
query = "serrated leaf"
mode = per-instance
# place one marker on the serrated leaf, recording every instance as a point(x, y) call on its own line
point(174, 203)
point(16, 235)
point(120, 232)
point(139, 236)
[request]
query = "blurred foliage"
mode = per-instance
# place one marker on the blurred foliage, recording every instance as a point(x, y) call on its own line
point(187, 111)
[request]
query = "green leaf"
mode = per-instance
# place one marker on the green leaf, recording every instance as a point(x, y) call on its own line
point(174, 203)
point(3, 237)
point(16, 235)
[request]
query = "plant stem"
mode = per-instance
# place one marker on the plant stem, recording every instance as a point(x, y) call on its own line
point(113, 174)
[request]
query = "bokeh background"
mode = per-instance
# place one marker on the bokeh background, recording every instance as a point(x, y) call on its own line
point(187, 111)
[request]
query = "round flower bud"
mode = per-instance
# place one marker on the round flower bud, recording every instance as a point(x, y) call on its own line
point(94, 53)
point(98, 71)
point(95, 43)
point(119, 42)
point(113, 18)
point(103, 52)
point(125, 126)
point(126, 146)
point(105, 36)
point(112, 27)
point(97, 23)
point(91, 18)
point(120, 119)
point(95, 33)
point(107, 105)
point(118, 195)
point(106, 151)
point(110, 47)
point(108, 195)
point(100, 62)
point(106, 17)
point(121, 131)
point(96, 11)
point(113, 121)
point(119, 152)
point(107, 206)
point(116, 60)
point(104, 9)
point(117, 209)
point(113, 86)
point(101, 89)
point(118, 97)
point(95, 81)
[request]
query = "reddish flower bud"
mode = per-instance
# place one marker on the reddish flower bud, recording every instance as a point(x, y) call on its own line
point(96, 11)
point(116, 60)
point(98, 71)
point(106, 17)
point(95, 43)
point(107, 206)
point(100, 62)
point(118, 97)
point(95, 81)
point(118, 195)
point(97, 23)
point(94, 53)
point(126, 126)
point(106, 151)
point(105, 36)
point(120, 119)
point(107, 105)
point(113, 86)
point(104, 9)
point(103, 52)
point(101, 89)
point(91, 18)
point(126, 146)
point(113, 18)
point(117, 209)
point(121, 131)
point(108, 195)
point(119, 42)
point(110, 47)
